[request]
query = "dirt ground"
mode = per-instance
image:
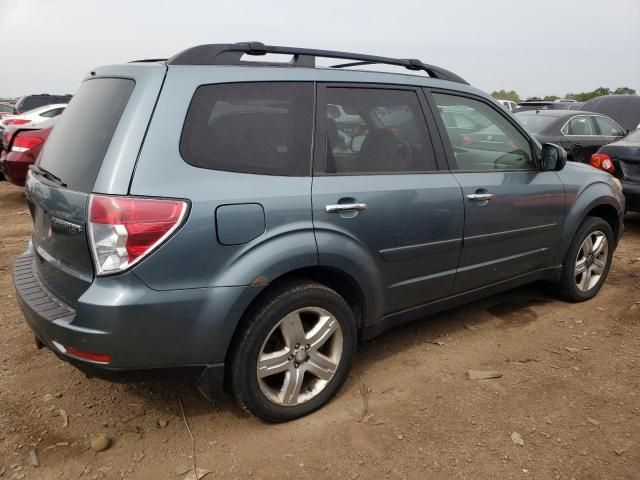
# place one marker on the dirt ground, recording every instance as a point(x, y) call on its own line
point(569, 387)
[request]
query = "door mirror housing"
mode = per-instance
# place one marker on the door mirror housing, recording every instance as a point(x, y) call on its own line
point(554, 157)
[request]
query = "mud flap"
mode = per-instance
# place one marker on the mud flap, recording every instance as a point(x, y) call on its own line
point(211, 383)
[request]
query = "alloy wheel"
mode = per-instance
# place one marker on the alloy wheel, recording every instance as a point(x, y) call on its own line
point(300, 356)
point(591, 261)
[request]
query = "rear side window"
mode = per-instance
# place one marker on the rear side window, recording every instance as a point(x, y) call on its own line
point(608, 128)
point(262, 128)
point(79, 142)
point(372, 130)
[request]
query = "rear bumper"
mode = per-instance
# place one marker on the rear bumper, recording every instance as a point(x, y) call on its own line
point(631, 191)
point(139, 328)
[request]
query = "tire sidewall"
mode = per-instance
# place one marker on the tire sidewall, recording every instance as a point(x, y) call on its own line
point(590, 225)
point(244, 363)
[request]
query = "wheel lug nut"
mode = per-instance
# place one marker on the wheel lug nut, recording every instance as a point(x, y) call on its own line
point(297, 365)
point(297, 345)
point(290, 357)
point(307, 346)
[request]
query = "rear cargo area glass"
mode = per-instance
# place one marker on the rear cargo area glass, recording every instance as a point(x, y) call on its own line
point(79, 141)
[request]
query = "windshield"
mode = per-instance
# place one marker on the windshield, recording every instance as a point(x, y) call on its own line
point(536, 123)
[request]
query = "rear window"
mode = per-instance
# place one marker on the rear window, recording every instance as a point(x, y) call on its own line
point(536, 123)
point(29, 103)
point(77, 146)
point(262, 128)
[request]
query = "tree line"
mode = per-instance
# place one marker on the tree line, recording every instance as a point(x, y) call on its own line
point(579, 97)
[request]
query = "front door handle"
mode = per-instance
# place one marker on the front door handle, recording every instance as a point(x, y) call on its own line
point(346, 207)
point(480, 197)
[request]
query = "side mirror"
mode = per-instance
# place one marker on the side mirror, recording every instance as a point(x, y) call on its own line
point(554, 157)
point(356, 143)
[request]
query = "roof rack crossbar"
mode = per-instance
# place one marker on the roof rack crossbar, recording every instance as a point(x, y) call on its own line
point(231, 54)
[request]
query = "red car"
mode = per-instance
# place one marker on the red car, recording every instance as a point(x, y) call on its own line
point(21, 149)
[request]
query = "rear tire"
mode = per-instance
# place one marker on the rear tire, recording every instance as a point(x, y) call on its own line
point(294, 353)
point(587, 263)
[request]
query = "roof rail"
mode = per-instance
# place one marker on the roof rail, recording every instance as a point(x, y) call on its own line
point(231, 54)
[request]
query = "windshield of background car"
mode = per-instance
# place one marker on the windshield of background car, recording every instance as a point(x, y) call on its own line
point(536, 123)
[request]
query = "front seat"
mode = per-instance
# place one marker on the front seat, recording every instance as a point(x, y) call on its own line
point(379, 152)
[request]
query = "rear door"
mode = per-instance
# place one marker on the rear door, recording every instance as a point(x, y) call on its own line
point(513, 211)
point(379, 195)
point(581, 138)
point(67, 171)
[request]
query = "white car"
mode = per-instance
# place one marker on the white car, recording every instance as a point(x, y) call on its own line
point(35, 116)
point(509, 105)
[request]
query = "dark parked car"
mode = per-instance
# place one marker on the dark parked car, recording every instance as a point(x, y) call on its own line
point(580, 133)
point(21, 147)
point(195, 212)
point(29, 102)
point(624, 109)
point(622, 160)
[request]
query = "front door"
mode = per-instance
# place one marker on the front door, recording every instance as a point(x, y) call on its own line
point(379, 197)
point(513, 211)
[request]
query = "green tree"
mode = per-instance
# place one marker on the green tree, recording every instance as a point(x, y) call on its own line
point(624, 91)
point(584, 96)
point(551, 97)
point(506, 95)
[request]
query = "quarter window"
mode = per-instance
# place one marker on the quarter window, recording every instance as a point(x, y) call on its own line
point(262, 128)
point(580, 126)
point(608, 128)
point(376, 131)
point(486, 140)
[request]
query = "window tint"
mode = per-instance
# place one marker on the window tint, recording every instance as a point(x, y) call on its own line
point(76, 147)
point(491, 142)
point(376, 131)
point(5, 108)
point(263, 128)
point(579, 125)
point(608, 128)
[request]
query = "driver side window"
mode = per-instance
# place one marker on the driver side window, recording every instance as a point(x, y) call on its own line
point(373, 130)
point(485, 140)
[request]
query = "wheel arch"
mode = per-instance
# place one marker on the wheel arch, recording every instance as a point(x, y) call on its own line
point(338, 280)
point(590, 203)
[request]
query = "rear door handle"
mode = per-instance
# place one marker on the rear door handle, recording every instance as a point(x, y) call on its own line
point(480, 197)
point(346, 207)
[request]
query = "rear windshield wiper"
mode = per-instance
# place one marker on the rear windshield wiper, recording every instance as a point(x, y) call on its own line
point(48, 175)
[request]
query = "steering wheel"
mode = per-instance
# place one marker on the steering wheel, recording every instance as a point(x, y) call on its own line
point(405, 151)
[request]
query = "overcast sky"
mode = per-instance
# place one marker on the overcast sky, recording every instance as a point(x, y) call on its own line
point(536, 47)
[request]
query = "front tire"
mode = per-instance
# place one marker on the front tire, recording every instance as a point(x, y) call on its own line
point(294, 353)
point(587, 264)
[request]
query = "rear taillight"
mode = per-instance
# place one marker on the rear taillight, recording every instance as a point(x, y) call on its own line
point(25, 142)
point(123, 230)
point(603, 162)
point(16, 121)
